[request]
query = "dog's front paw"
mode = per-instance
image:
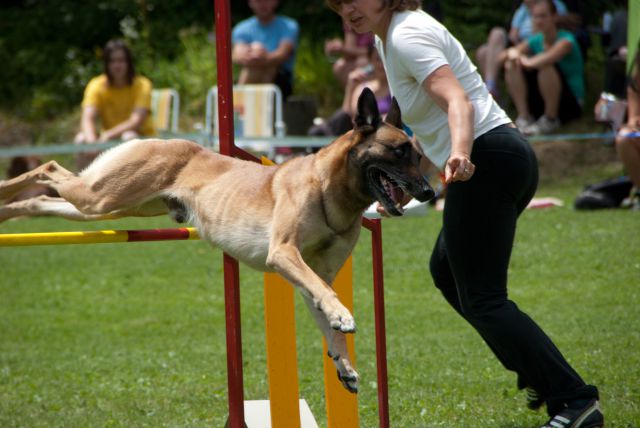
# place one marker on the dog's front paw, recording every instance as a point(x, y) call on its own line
point(343, 322)
point(350, 381)
point(337, 314)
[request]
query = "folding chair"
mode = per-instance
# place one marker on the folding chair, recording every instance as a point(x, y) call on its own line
point(165, 109)
point(257, 111)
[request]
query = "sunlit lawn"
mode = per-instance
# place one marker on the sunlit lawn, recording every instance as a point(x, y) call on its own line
point(133, 335)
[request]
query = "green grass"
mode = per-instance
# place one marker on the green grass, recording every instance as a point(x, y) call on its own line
point(133, 335)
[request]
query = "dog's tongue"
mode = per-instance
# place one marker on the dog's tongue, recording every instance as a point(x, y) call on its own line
point(397, 194)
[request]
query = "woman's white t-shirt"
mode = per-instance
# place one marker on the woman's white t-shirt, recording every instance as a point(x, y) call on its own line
point(416, 46)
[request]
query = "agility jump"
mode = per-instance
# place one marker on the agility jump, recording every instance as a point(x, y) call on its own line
point(268, 217)
point(341, 407)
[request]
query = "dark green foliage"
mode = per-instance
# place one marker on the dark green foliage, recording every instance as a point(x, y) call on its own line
point(50, 49)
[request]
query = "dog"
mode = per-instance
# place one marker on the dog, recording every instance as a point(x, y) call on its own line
point(300, 219)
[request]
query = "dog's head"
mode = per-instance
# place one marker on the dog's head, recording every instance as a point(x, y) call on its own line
point(387, 158)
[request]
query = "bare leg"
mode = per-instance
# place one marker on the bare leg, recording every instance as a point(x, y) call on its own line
point(629, 153)
point(495, 46)
point(257, 75)
point(517, 87)
point(481, 59)
point(550, 89)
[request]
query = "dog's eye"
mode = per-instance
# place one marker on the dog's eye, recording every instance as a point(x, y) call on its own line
point(401, 151)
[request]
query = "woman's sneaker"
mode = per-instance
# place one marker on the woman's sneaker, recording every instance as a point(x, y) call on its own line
point(588, 416)
point(534, 401)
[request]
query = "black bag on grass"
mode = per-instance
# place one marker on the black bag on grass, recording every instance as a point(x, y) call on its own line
point(606, 194)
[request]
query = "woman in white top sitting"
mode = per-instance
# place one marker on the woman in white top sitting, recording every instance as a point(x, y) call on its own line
point(492, 174)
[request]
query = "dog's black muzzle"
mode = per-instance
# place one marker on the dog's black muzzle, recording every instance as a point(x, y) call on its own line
point(423, 192)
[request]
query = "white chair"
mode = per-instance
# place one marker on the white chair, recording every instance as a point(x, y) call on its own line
point(257, 111)
point(165, 109)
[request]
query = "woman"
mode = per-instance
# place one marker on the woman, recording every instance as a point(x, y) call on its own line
point(119, 100)
point(545, 74)
point(491, 173)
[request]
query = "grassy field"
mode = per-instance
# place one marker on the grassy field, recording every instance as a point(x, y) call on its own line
point(133, 335)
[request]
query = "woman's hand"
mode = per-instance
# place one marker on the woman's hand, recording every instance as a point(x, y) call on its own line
point(458, 168)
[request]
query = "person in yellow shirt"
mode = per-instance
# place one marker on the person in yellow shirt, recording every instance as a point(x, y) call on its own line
point(116, 104)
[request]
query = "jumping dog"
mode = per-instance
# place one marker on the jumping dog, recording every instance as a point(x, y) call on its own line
point(300, 219)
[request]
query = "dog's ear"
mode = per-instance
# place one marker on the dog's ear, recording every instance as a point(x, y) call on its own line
point(368, 117)
point(393, 115)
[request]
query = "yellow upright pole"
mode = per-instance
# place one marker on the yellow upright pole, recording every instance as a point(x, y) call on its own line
point(282, 359)
point(342, 406)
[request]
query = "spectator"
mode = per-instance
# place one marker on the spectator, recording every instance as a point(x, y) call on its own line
point(616, 53)
point(490, 55)
point(119, 99)
point(628, 138)
point(265, 46)
point(611, 106)
point(371, 76)
point(352, 52)
point(545, 74)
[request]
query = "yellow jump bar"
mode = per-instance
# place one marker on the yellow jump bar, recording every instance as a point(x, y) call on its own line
point(97, 237)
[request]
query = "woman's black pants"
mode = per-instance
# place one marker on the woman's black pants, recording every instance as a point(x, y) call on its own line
point(471, 256)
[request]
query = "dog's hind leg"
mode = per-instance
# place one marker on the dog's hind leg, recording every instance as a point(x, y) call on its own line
point(337, 346)
point(45, 205)
point(48, 174)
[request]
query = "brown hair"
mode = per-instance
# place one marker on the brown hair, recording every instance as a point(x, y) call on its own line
point(109, 49)
point(392, 5)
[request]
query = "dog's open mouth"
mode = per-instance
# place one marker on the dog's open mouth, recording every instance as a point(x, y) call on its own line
point(387, 191)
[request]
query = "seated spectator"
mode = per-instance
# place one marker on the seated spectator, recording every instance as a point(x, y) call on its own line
point(264, 46)
point(628, 138)
point(490, 55)
point(611, 107)
point(616, 53)
point(371, 76)
point(118, 100)
point(545, 74)
point(351, 53)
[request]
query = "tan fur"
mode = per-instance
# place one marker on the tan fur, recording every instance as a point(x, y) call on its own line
point(300, 219)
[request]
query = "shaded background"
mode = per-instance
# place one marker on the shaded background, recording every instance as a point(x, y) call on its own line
point(49, 49)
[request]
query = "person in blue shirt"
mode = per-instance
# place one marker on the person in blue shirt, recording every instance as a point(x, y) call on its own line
point(264, 46)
